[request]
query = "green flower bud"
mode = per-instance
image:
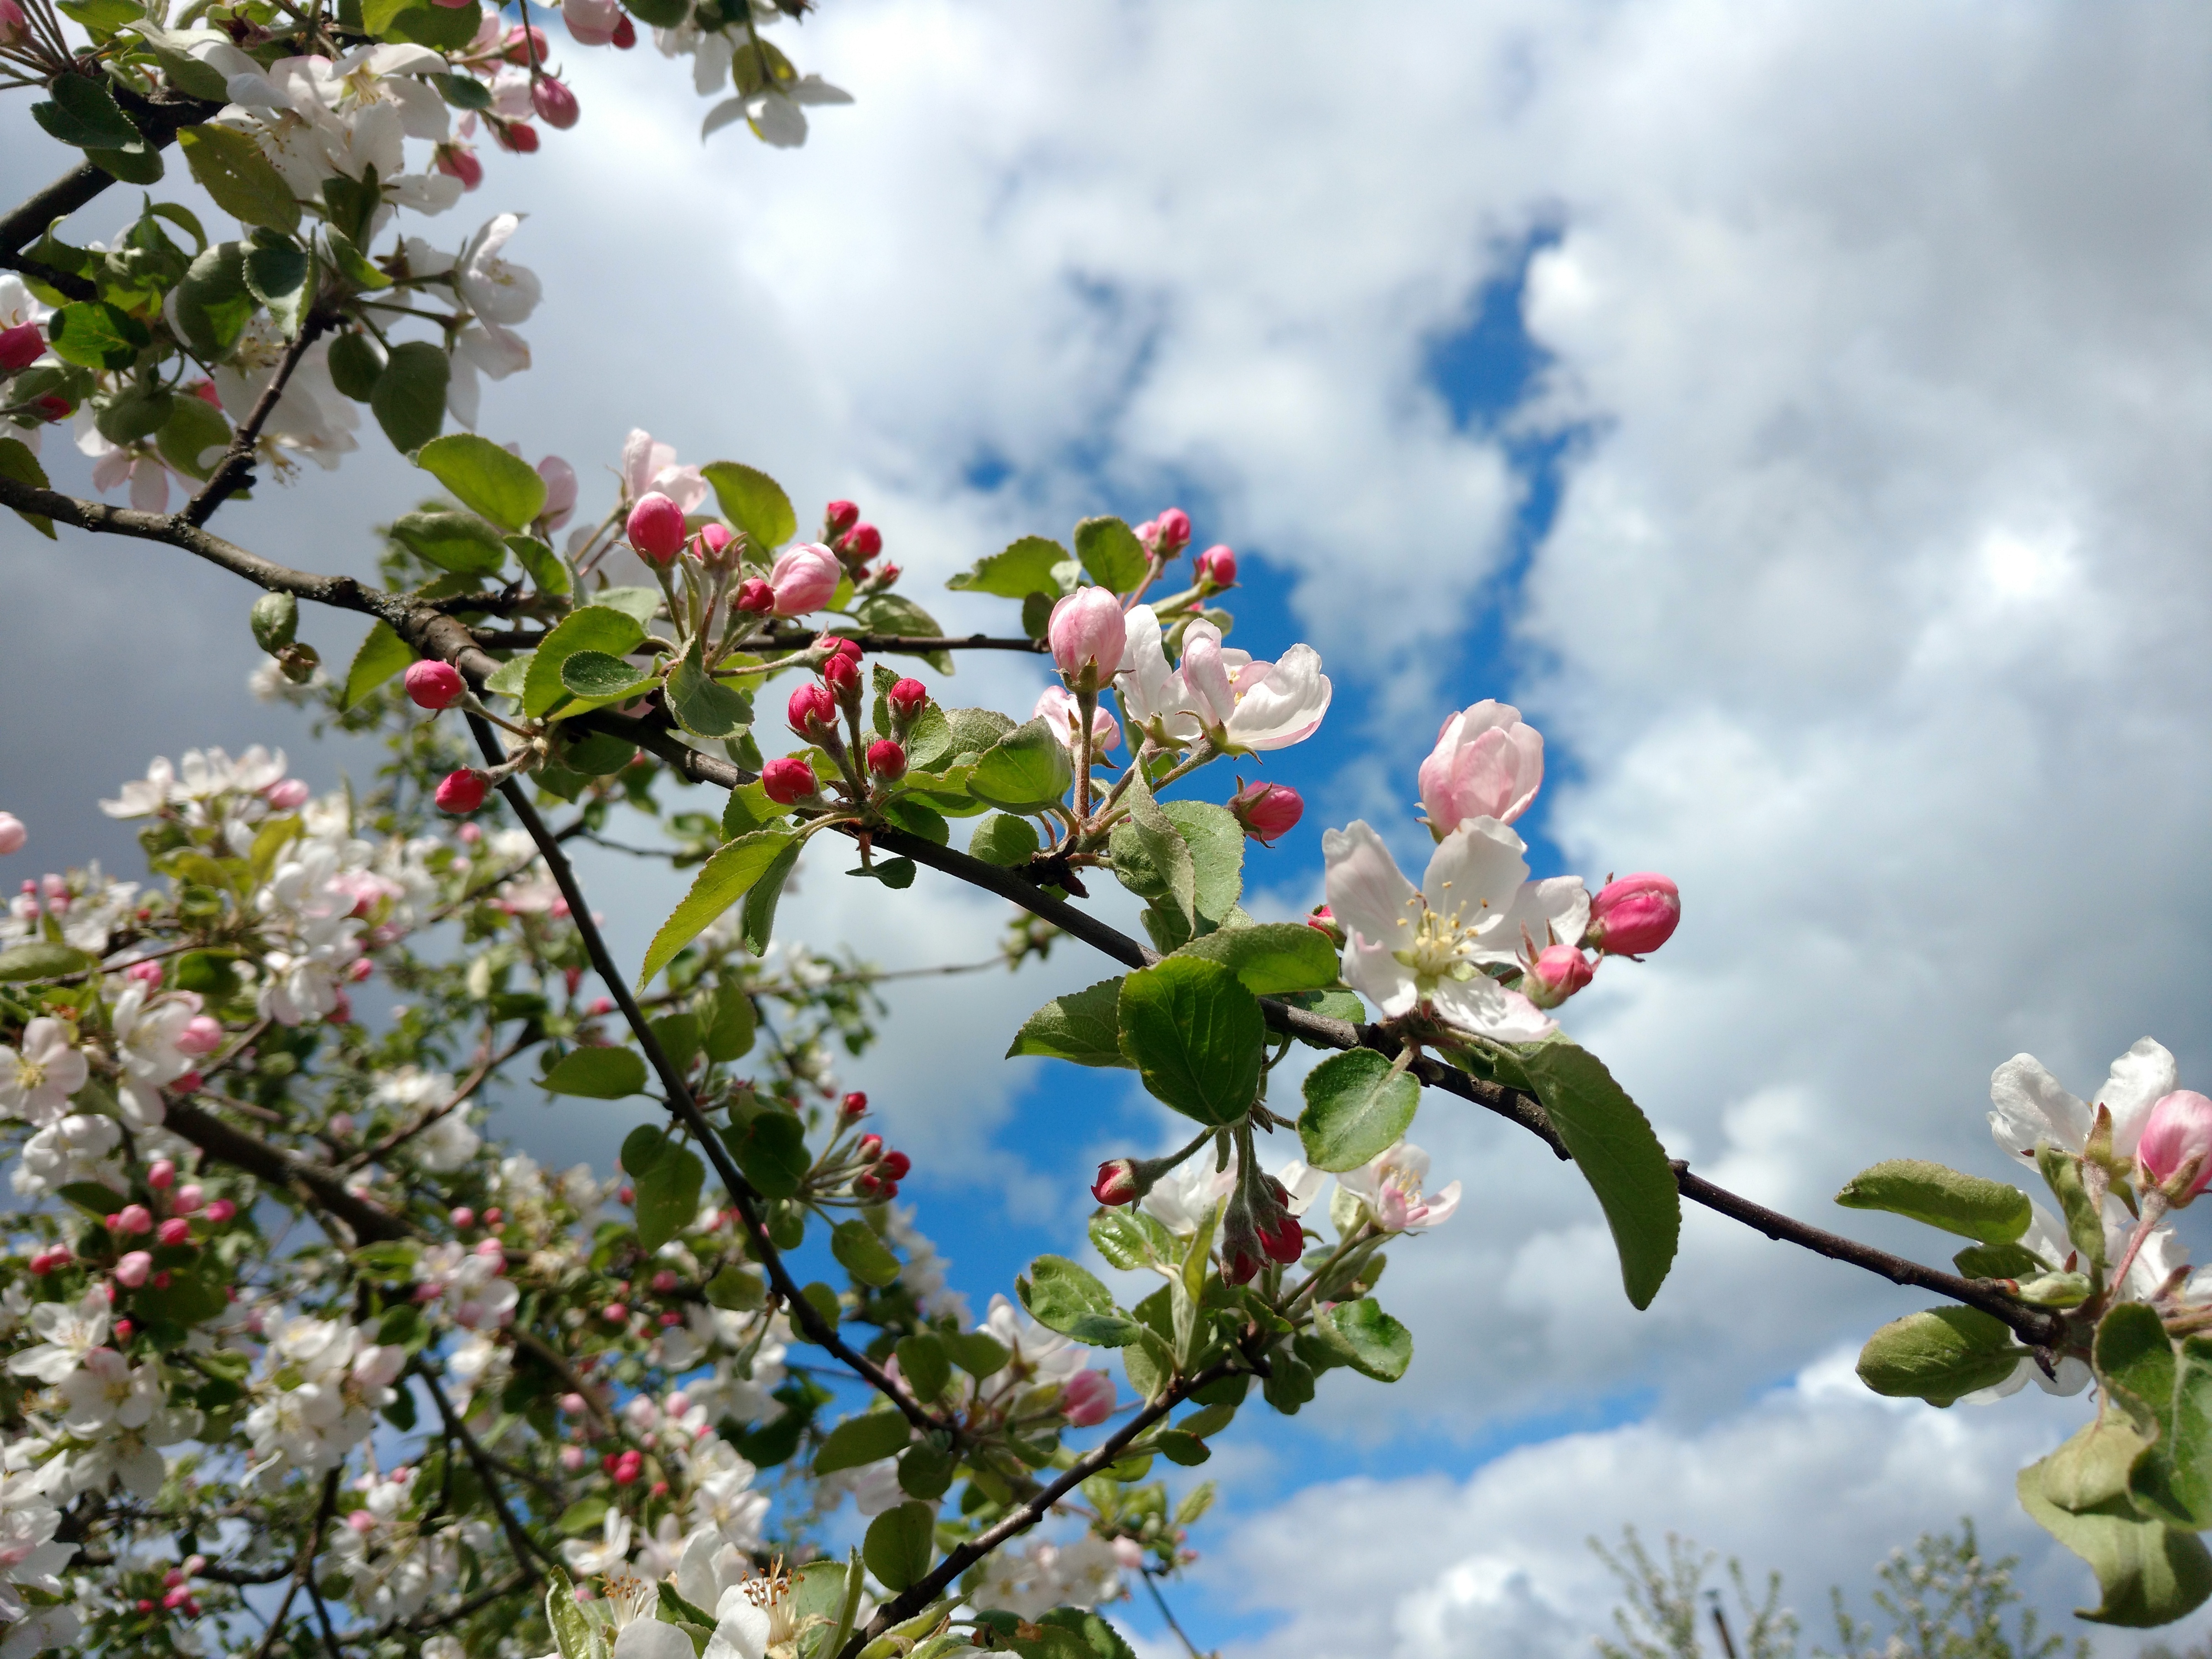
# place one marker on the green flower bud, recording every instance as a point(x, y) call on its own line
point(276, 619)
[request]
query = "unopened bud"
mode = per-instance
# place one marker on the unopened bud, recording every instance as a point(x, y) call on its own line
point(525, 48)
point(655, 528)
point(131, 1271)
point(1557, 972)
point(1088, 635)
point(788, 780)
point(870, 1147)
point(897, 1165)
point(555, 104)
point(843, 674)
point(864, 541)
point(906, 699)
point(837, 518)
point(855, 1104)
point(435, 685)
point(886, 760)
point(812, 709)
point(1268, 809)
point(286, 794)
point(625, 34)
point(1086, 1399)
point(713, 548)
point(203, 1035)
point(298, 662)
point(1170, 532)
point(1217, 567)
point(755, 597)
point(23, 345)
point(2175, 1152)
point(1634, 916)
point(275, 619)
point(13, 835)
point(461, 793)
point(459, 162)
point(519, 136)
point(175, 1230)
point(221, 1209)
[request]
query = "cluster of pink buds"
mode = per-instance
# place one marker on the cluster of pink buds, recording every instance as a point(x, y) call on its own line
point(1258, 1228)
point(1266, 810)
point(855, 541)
point(177, 1595)
point(879, 1181)
point(1165, 537)
point(625, 1465)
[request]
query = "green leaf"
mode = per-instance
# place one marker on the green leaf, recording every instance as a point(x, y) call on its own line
point(703, 705)
point(722, 882)
point(90, 1196)
point(276, 270)
point(1361, 1335)
point(1939, 1355)
point(861, 1253)
point(508, 678)
point(1023, 771)
point(1111, 554)
point(905, 812)
point(730, 1027)
point(596, 1073)
point(758, 921)
point(1989, 1211)
point(2167, 1388)
point(895, 614)
point(136, 165)
point(503, 488)
point(213, 304)
point(1272, 958)
point(600, 677)
point(2000, 1261)
point(863, 1439)
point(382, 654)
point(667, 1195)
point(1356, 1106)
point(2062, 1171)
point(1004, 840)
point(642, 603)
point(97, 335)
point(1099, 1638)
point(1020, 570)
point(924, 1472)
point(2149, 1573)
point(135, 412)
point(544, 566)
point(1612, 1145)
point(409, 399)
point(1177, 1447)
point(976, 1352)
point(753, 502)
point(1195, 1035)
point(83, 113)
point(1057, 1293)
point(1128, 1240)
point(1216, 841)
point(1083, 1026)
point(734, 1288)
point(901, 1543)
point(922, 1362)
point(458, 542)
point(972, 730)
point(598, 628)
point(446, 28)
point(18, 464)
point(770, 1148)
point(231, 169)
point(572, 1629)
point(194, 436)
point(361, 277)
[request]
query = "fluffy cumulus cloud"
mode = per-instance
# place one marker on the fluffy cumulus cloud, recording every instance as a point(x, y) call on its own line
point(1871, 610)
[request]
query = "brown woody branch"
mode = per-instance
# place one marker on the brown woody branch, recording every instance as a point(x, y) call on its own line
point(524, 1547)
point(235, 469)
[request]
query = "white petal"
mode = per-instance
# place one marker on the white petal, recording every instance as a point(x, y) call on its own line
point(2032, 1107)
point(1556, 907)
point(650, 1638)
point(1367, 892)
point(2138, 1078)
point(1476, 872)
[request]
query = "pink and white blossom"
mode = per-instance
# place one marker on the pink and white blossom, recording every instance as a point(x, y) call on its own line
point(1391, 1186)
point(38, 1076)
point(1056, 707)
point(1486, 763)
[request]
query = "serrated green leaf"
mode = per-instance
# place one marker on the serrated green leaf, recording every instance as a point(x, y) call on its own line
point(382, 654)
point(753, 502)
point(1058, 1292)
point(231, 169)
point(1357, 1107)
point(923, 1363)
point(757, 921)
point(1024, 771)
point(2149, 1574)
point(1083, 1026)
point(212, 302)
point(487, 480)
point(81, 111)
point(770, 1148)
point(1938, 1355)
point(1017, 571)
point(734, 1288)
point(1005, 840)
point(701, 704)
point(96, 335)
point(1361, 1335)
point(722, 882)
point(409, 400)
point(1111, 554)
point(1272, 958)
point(667, 1195)
point(901, 1543)
point(458, 542)
point(594, 627)
point(863, 1255)
point(596, 1073)
point(596, 675)
point(1196, 1037)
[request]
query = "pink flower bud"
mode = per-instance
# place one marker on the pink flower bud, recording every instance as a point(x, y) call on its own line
point(1486, 763)
point(572, 1458)
point(192, 1082)
point(148, 974)
point(1086, 1399)
point(842, 674)
point(1557, 972)
point(435, 685)
point(788, 780)
point(712, 547)
point(124, 1328)
point(812, 710)
point(187, 1199)
point(494, 1216)
point(1170, 532)
point(1284, 1241)
point(837, 518)
point(525, 48)
point(907, 699)
point(461, 792)
point(626, 1195)
point(131, 1271)
point(1088, 635)
point(1634, 916)
point(887, 573)
point(203, 1035)
point(176, 1598)
point(1217, 567)
point(13, 835)
point(175, 1230)
point(491, 1249)
point(555, 104)
point(470, 834)
point(462, 1215)
point(23, 345)
point(855, 1104)
point(286, 794)
point(869, 1148)
point(135, 1218)
point(161, 1174)
point(614, 1313)
point(221, 1209)
point(2176, 1142)
point(656, 528)
point(756, 597)
point(1116, 1183)
point(625, 34)
point(897, 1165)
point(459, 161)
point(804, 579)
point(886, 760)
point(865, 541)
point(361, 1521)
point(665, 1281)
point(1268, 809)
point(572, 1404)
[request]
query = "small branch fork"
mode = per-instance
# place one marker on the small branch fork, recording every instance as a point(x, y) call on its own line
point(432, 633)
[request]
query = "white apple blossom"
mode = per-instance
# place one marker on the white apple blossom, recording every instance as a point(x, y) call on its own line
point(43, 1628)
point(1391, 1184)
point(1407, 948)
point(648, 465)
point(495, 289)
point(1043, 1355)
point(1044, 1575)
point(1183, 1198)
point(145, 1027)
point(1245, 705)
point(80, 1147)
point(37, 1076)
point(29, 1558)
point(108, 1391)
point(752, 1617)
point(723, 1499)
point(1153, 697)
point(311, 420)
point(586, 1560)
point(776, 114)
point(1055, 706)
point(67, 1333)
point(129, 1456)
point(2030, 1106)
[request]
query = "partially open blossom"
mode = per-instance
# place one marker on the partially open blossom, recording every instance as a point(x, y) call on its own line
point(1268, 809)
point(1391, 1188)
point(755, 597)
point(555, 104)
point(286, 794)
point(1322, 919)
point(1088, 635)
point(1487, 764)
point(1056, 706)
point(202, 1035)
point(1087, 1399)
point(812, 709)
point(2177, 1145)
point(461, 793)
point(886, 760)
point(1217, 567)
point(19, 347)
point(803, 577)
point(906, 699)
point(788, 779)
point(560, 480)
point(435, 685)
point(1557, 972)
point(1634, 916)
point(656, 528)
point(1245, 704)
point(591, 22)
point(13, 835)
point(130, 1272)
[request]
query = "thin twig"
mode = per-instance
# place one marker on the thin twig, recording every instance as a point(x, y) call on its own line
point(230, 474)
point(519, 1540)
point(302, 1568)
point(1167, 1612)
point(487, 1063)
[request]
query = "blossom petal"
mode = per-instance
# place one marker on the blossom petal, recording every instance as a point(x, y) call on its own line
point(2030, 1106)
point(2138, 1078)
point(1476, 873)
point(1367, 893)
